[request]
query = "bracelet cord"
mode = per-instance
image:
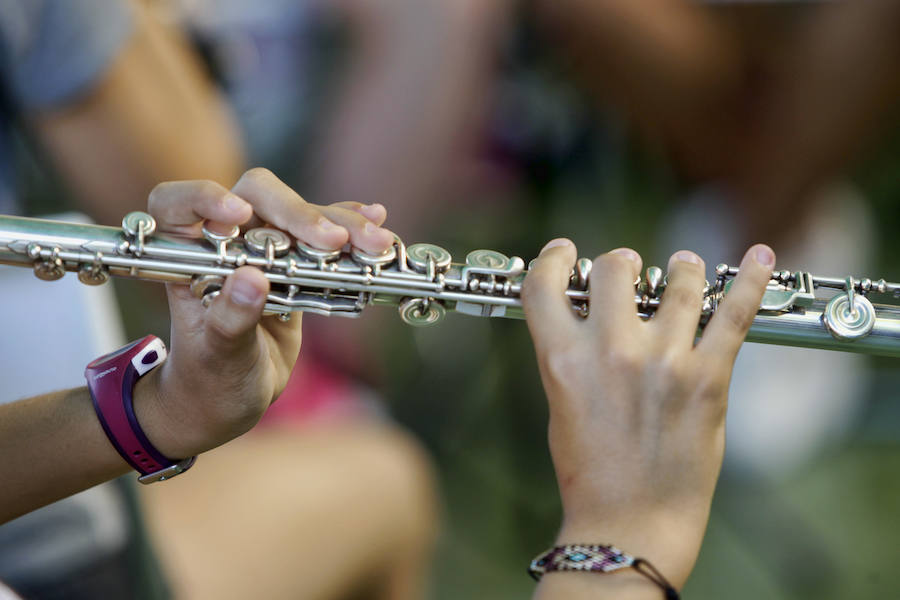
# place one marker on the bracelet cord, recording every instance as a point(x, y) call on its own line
point(598, 559)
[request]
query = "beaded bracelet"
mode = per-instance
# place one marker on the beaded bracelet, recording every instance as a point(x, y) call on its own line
point(600, 559)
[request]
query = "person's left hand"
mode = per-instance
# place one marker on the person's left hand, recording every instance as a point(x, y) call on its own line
point(637, 408)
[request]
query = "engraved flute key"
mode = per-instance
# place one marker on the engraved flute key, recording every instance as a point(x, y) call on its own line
point(797, 309)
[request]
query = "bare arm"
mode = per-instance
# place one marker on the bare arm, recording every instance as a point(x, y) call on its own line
point(835, 94)
point(227, 363)
point(53, 446)
point(154, 116)
point(668, 65)
point(637, 410)
point(412, 94)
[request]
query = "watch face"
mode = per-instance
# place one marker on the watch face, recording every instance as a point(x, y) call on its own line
point(113, 355)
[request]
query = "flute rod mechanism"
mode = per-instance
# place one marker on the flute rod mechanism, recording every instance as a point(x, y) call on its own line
point(797, 309)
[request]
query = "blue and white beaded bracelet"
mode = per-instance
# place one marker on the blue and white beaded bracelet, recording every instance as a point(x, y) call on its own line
point(597, 559)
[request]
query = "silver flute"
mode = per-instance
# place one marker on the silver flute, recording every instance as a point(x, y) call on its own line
point(797, 309)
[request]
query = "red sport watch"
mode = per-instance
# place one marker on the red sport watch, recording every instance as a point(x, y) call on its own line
point(111, 380)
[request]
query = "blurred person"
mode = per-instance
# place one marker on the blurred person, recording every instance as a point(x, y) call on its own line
point(645, 487)
point(772, 99)
point(133, 93)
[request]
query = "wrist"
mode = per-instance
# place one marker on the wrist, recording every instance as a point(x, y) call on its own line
point(671, 544)
point(160, 426)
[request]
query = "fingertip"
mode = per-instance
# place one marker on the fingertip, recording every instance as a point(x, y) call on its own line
point(685, 256)
point(329, 235)
point(627, 253)
point(377, 239)
point(556, 243)
point(376, 212)
point(247, 286)
point(631, 255)
point(762, 255)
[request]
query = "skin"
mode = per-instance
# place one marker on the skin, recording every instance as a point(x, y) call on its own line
point(637, 409)
point(733, 95)
point(152, 116)
point(240, 360)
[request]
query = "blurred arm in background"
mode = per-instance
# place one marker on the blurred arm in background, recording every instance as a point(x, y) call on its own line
point(413, 97)
point(773, 114)
point(153, 116)
point(832, 98)
point(668, 65)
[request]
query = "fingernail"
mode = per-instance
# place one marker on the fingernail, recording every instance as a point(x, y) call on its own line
point(372, 211)
point(686, 256)
point(233, 202)
point(243, 292)
point(627, 253)
point(558, 242)
point(765, 256)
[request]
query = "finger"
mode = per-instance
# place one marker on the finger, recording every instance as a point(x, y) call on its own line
point(612, 292)
point(376, 212)
point(734, 315)
point(230, 323)
point(678, 315)
point(547, 309)
point(364, 234)
point(183, 206)
point(276, 203)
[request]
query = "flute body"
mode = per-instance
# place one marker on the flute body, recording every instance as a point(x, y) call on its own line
point(798, 308)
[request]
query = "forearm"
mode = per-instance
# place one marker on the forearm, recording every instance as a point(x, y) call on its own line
point(153, 116)
point(52, 446)
point(412, 93)
point(833, 98)
point(671, 67)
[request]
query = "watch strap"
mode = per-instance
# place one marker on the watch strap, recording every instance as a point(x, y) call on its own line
point(111, 380)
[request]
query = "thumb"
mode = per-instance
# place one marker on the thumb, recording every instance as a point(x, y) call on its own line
point(232, 318)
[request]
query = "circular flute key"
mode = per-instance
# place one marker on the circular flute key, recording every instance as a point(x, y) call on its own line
point(418, 254)
point(216, 238)
point(846, 322)
point(317, 254)
point(92, 275)
point(204, 285)
point(136, 221)
point(50, 269)
point(374, 260)
point(420, 312)
point(257, 240)
point(488, 259)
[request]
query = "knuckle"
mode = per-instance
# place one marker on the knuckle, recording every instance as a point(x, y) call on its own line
point(714, 386)
point(158, 195)
point(671, 368)
point(221, 327)
point(210, 190)
point(682, 297)
point(562, 363)
point(622, 359)
point(739, 317)
point(257, 175)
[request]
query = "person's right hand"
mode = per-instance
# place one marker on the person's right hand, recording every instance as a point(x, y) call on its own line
point(227, 363)
point(637, 409)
